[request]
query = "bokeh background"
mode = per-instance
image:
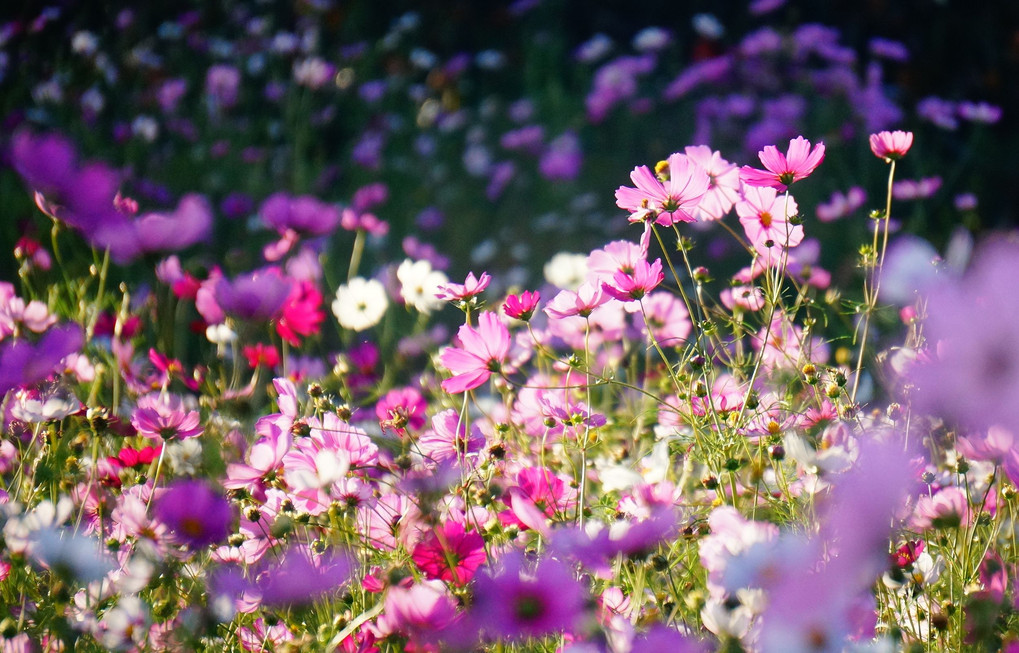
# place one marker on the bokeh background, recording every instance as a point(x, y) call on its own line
point(501, 129)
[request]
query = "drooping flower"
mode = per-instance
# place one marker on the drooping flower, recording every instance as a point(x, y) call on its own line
point(891, 146)
point(669, 201)
point(483, 351)
point(784, 169)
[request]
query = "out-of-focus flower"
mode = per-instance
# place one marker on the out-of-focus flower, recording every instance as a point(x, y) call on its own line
point(419, 283)
point(164, 417)
point(257, 296)
point(360, 303)
point(196, 515)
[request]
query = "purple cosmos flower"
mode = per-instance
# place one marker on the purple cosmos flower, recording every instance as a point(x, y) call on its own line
point(304, 214)
point(258, 296)
point(517, 602)
point(196, 515)
point(24, 363)
point(190, 223)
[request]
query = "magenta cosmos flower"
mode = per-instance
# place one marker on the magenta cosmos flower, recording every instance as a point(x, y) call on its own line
point(669, 201)
point(483, 352)
point(891, 146)
point(522, 306)
point(783, 169)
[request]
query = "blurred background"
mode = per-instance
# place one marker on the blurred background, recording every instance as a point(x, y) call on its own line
point(492, 135)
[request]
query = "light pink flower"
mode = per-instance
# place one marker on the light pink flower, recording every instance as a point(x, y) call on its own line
point(483, 352)
point(784, 169)
point(665, 202)
point(765, 219)
point(723, 188)
point(568, 303)
point(471, 287)
point(165, 418)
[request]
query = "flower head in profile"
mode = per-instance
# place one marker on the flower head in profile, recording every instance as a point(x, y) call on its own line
point(784, 169)
point(483, 351)
point(470, 288)
point(522, 306)
point(891, 146)
point(632, 286)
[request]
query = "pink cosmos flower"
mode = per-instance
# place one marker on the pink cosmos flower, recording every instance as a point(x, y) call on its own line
point(448, 440)
point(891, 146)
point(665, 202)
point(568, 303)
point(471, 287)
point(522, 306)
point(401, 408)
point(302, 313)
point(483, 352)
point(450, 553)
point(632, 286)
point(666, 318)
point(723, 188)
point(765, 219)
point(784, 169)
point(419, 611)
point(165, 418)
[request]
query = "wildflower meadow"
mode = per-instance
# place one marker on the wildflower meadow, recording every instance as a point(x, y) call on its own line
point(333, 327)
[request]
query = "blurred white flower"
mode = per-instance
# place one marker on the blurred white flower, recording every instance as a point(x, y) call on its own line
point(360, 304)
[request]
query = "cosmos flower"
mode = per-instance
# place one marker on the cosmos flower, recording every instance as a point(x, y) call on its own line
point(784, 169)
point(483, 351)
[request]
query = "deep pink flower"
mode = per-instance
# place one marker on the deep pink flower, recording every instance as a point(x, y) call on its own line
point(450, 553)
point(302, 313)
point(784, 169)
point(665, 202)
point(401, 408)
point(891, 146)
point(483, 352)
point(522, 306)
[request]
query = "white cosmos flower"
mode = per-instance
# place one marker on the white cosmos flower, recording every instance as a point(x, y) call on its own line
point(360, 303)
point(419, 283)
point(566, 270)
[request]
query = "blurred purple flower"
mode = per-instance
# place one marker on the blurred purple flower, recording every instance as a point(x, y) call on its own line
point(304, 214)
point(25, 363)
point(258, 296)
point(190, 223)
point(222, 83)
point(196, 515)
point(562, 160)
